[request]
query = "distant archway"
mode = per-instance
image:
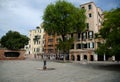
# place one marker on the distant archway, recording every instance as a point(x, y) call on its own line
point(91, 58)
point(85, 57)
point(78, 57)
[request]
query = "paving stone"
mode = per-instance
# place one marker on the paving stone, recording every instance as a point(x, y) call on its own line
point(27, 71)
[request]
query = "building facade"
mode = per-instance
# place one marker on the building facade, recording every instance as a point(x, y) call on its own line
point(36, 42)
point(85, 43)
point(50, 47)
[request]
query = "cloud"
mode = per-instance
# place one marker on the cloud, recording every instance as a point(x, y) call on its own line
point(24, 15)
point(20, 17)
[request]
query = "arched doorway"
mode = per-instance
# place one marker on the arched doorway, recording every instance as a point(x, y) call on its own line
point(72, 57)
point(78, 57)
point(91, 58)
point(85, 57)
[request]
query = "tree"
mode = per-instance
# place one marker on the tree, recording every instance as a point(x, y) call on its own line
point(110, 33)
point(14, 40)
point(63, 18)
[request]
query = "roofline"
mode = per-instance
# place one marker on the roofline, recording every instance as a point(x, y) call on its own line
point(89, 3)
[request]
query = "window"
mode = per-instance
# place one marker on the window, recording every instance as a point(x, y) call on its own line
point(37, 37)
point(78, 46)
point(36, 42)
point(89, 7)
point(90, 34)
point(90, 15)
point(84, 35)
point(50, 40)
point(50, 45)
point(84, 45)
point(91, 45)
point(38, 49)
point(83, 7)
point(88, 45)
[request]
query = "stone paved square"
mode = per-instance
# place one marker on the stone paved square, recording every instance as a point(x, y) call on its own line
point(27, 71)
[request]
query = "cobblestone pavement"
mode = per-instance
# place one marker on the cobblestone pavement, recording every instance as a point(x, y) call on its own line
point(27, 71)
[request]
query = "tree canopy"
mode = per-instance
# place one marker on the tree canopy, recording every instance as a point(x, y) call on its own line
point(63, 18)
point(14, 40)
point(111, 33)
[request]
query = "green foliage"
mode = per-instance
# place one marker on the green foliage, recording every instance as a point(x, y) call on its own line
point(111, 33)
point(14, 40)
point(66, 45)
point(63, 18)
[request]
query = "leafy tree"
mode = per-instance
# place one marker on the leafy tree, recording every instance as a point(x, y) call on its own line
point(63, 18)
point(66, 45)
point(111, 33)
point(14, 40)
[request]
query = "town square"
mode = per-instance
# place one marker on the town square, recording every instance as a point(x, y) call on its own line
point(59, 41)
point(30, 71)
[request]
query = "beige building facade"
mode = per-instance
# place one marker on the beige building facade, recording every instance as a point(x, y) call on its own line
point(85, 44)
point(36, 42)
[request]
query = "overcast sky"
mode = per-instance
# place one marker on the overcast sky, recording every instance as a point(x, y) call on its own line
point(25, 15)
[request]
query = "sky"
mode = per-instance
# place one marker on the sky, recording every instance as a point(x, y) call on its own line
point(25, 15)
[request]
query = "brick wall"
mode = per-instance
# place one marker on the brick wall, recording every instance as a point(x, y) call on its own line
point(20, 57)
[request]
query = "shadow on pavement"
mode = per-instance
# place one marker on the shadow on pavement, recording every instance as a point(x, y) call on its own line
point(110, 67)
point(101, 66)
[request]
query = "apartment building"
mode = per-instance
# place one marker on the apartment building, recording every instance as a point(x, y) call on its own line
point(36, 42)
point(50, 47)
point(85, 43)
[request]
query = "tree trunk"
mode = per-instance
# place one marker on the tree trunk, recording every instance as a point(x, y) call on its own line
point(63, 38)
point(64, 59)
